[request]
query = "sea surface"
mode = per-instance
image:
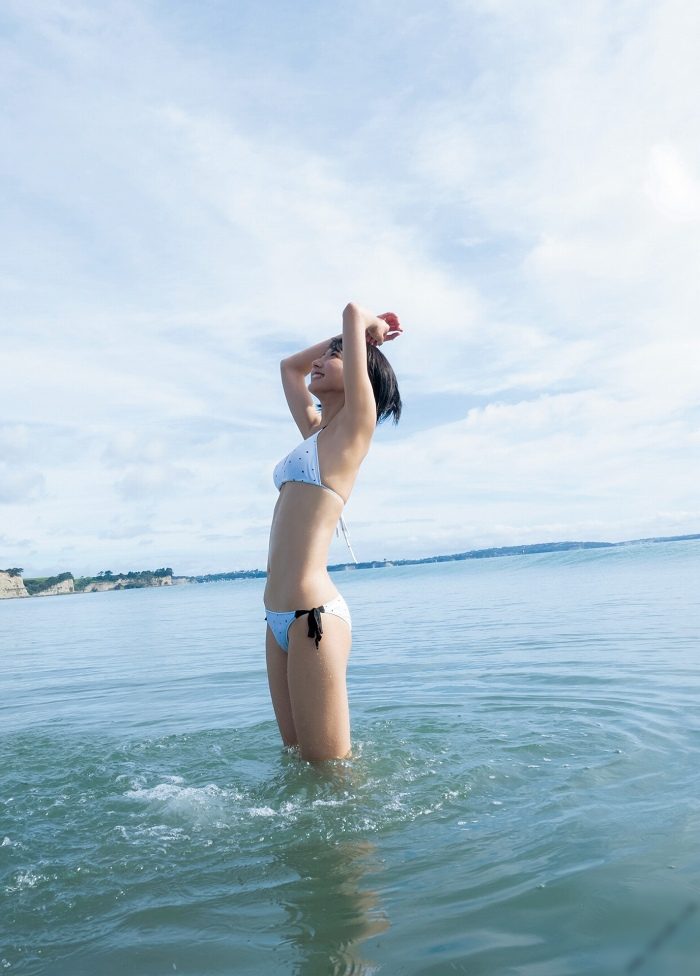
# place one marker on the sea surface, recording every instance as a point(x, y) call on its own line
point(524, 796)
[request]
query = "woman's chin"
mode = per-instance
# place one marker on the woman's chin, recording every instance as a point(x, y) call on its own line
point(322, 387)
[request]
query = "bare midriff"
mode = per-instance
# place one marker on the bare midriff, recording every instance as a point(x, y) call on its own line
point(303, 524)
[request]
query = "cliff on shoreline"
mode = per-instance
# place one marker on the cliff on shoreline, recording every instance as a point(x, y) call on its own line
point(12, 585)
point(122, 583)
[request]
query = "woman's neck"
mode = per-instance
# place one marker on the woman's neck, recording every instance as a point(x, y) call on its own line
point(331, 405)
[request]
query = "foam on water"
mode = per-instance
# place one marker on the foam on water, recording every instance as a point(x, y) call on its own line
point(522, 799)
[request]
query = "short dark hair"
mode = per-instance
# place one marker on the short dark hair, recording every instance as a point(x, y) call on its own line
point(383, 379)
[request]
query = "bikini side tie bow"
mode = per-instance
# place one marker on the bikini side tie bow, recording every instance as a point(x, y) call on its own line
point(315, 625)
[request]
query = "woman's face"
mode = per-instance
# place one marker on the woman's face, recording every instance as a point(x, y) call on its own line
point(327, 373)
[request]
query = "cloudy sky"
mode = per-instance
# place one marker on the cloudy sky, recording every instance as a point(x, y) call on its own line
point(192, 190)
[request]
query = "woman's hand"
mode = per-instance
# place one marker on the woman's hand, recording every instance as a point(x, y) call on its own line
point(385, 328)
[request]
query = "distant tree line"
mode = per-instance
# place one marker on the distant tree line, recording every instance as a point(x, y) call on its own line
point(108, 574)
point(237, 574)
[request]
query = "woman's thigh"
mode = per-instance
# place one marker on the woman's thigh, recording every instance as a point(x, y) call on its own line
point(277, 662)
point(317, 689)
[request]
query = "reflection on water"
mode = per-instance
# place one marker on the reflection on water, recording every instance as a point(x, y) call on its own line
point(331, 909)
point(331, 906)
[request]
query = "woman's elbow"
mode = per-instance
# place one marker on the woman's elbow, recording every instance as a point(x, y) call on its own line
point(354, 313)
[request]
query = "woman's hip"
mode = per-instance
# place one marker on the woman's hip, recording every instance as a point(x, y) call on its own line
point(279, 621)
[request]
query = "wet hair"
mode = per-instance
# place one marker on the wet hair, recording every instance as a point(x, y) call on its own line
point(383, 380)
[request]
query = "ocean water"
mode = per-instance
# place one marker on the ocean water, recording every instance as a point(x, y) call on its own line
point(524, 797)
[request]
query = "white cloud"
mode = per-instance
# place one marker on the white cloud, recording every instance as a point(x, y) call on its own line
point(519, 182)
point(151, 481)
point(20, 486)
point(672, 188)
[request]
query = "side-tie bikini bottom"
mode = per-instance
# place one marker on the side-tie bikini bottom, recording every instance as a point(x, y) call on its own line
point(280, 623)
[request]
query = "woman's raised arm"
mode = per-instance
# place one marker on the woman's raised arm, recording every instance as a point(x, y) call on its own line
point(294, 370)
point(361, 327)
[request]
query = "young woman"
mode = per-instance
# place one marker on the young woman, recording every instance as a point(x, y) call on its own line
point(308, 622)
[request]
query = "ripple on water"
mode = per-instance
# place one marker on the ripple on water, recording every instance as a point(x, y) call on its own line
point(521, 800)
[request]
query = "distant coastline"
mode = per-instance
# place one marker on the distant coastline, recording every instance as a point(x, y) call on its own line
point(13, 585)
point(524, 550)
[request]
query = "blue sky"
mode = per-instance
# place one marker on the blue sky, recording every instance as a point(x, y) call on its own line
point(190, 191)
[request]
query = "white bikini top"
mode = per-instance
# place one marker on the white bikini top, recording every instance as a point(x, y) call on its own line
point(302, 465)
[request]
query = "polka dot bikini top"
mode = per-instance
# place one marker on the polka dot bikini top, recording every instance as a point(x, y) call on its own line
point(301, 464)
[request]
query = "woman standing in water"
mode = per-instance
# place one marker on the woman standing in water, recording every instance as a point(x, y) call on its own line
point(308, 633)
